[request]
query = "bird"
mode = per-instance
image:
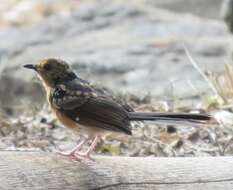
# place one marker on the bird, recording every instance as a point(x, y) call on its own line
point(84, 108)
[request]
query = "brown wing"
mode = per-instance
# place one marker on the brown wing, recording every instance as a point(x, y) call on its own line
point(101, 113)
point(87, 106)
point(101, 91)
point(79, 91)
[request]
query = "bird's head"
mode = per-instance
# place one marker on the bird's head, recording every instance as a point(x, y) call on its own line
point(52, 71)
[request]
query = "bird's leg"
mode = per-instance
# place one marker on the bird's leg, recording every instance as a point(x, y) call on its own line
point(91, 148)
point(80, 156)
point(74, 150)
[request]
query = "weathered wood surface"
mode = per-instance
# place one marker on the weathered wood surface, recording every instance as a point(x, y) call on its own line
point(37, 171)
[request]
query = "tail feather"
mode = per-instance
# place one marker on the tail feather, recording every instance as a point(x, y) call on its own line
point(172, 118)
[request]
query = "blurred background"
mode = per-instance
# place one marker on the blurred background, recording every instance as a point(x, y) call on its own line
point(159, 55)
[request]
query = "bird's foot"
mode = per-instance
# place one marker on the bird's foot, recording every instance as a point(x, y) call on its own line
point(78, 155)
point(85, 155)
point(73, 155)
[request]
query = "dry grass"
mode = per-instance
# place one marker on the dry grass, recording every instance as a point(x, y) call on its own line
point(224, 83)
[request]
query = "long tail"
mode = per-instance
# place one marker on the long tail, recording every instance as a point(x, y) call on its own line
point(172, 118)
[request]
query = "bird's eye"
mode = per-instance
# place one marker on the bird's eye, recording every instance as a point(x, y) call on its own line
point(47, 67)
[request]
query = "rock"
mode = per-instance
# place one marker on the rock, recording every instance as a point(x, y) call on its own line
point(125, 46)
point(206, 9)
point(58, 134)
point(27, 12)
point(227, 13)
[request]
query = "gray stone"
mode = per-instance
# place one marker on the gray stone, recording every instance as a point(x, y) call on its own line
point(125, 46)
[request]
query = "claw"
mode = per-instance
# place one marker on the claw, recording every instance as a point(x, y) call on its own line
point(88, 156)
point(73, 155)
point(64, 153)
point(77, 157)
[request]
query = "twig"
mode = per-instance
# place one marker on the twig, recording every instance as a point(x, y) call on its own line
point(194, 64)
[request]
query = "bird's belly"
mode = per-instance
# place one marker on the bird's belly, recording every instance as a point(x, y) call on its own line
point(67, 122)
point(75, 126)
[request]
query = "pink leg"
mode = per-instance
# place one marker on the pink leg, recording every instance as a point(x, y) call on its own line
point(74, 150)
point(92, 147)
point(80, 156)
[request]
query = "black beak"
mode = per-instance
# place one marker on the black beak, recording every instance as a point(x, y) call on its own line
point(30, 66)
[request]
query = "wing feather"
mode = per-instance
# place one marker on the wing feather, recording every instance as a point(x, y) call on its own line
point(93, 109)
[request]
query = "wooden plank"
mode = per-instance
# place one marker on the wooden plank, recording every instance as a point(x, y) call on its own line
point(38, 170)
